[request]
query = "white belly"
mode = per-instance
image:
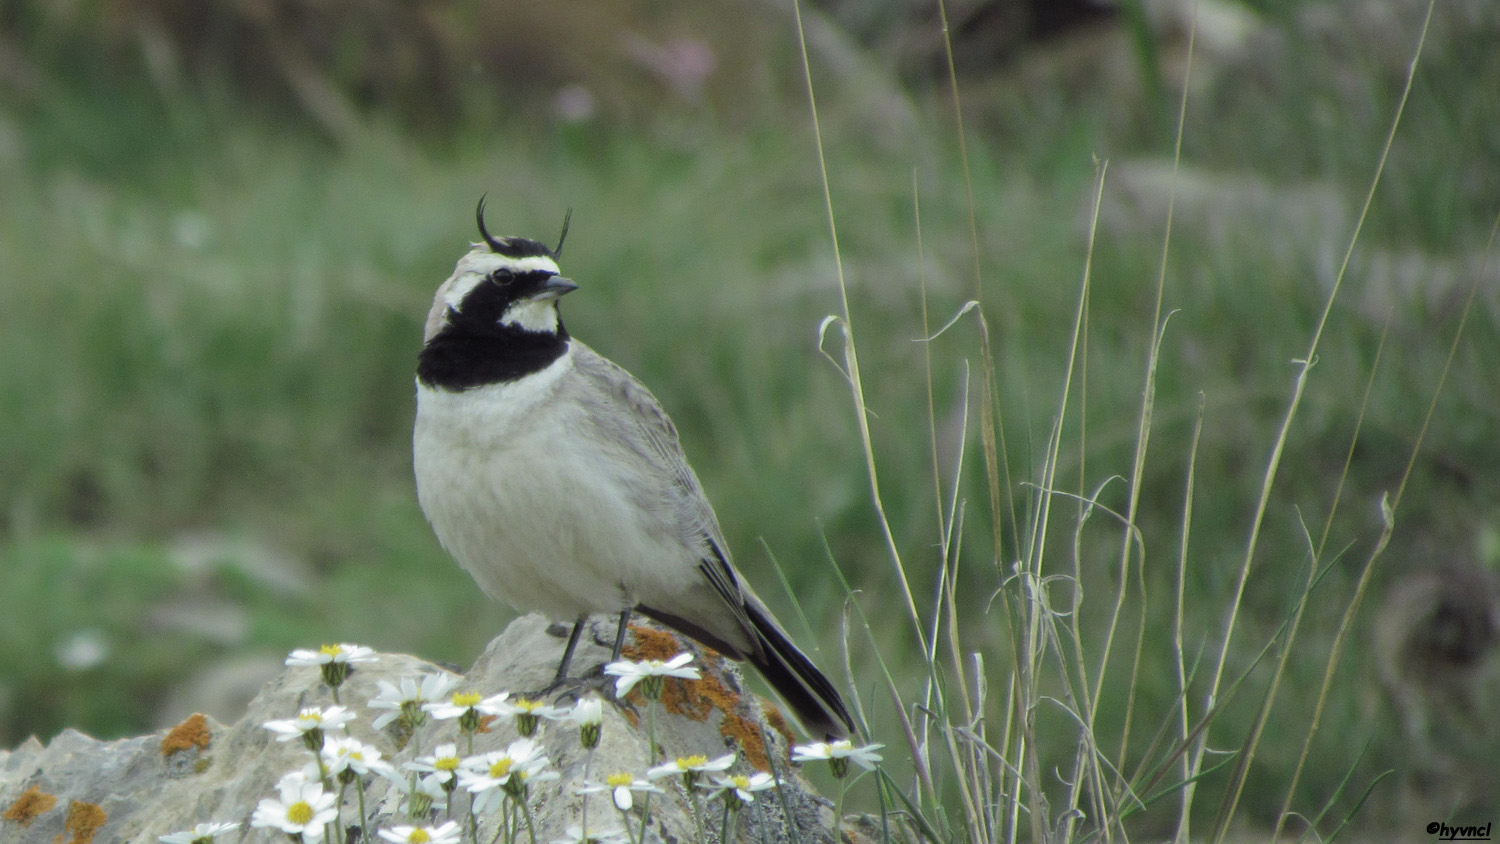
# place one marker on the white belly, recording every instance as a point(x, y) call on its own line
point(517, 493)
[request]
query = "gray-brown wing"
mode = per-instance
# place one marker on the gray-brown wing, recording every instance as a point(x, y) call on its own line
point(645, 433)
point(649, 433)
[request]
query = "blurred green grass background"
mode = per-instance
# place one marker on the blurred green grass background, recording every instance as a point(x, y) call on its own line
point(211, 295)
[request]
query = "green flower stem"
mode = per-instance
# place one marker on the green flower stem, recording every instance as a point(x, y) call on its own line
point(530, 827)
point(588, 761)
point(322, 768)
point(364, 816)
point(724, 828)
point(838, 810)
point(651, 755)
point(625, 821)
point(696, 806)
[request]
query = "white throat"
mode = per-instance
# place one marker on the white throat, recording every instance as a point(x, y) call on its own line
point(536, 315)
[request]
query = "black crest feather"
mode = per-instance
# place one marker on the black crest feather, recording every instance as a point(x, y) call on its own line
point(495, 245)
point(520, 247)
point(557, 250)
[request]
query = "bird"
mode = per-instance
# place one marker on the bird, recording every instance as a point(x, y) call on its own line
point(555, 478)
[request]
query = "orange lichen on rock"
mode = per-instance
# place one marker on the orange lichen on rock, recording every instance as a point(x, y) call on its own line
point(743, 731)
point(84, 819)
point(693, 699)
point(193, 732)
point(29, 805)
point(654, 644)
point(696, 699)
point(778, 721)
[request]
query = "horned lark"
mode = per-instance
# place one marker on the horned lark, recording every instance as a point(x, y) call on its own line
point(556, 479)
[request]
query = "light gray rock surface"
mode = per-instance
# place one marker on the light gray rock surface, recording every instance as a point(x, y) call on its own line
point(78, 789)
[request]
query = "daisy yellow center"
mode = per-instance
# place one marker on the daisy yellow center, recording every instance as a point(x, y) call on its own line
point(501, 769)
point(466, 698)
point(619, 780)
point(842, 747)
point(740, 781)
point(299, 812)
point(446, 763)
point(419, 836)
point(527, 705)
point(688, 762)
point(331, 650)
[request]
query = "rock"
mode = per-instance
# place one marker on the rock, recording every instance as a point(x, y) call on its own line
point(78, 789)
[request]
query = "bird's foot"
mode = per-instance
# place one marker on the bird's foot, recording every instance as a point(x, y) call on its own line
point(575, 688)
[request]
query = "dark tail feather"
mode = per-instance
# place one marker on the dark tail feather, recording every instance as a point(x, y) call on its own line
point(804, 688)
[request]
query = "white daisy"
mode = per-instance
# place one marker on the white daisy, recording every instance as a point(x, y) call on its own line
point(203, 833)
point(689, 767)
point(838, 754)
point(523, 712)
point(443, 762)
point(405, 701)
point(588, 715)
point(335, 662)
point(346, 753)
point(620, 788)
point(301, 807)
point(456, 706)
point(739, 789)
point(652, 671)
point(447, 833)
point(509, 768)
point(311, 724)
point(344, 653)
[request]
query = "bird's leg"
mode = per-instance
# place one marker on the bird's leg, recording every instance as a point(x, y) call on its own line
point(567, 657)
point(603, 682)
point(620, 635)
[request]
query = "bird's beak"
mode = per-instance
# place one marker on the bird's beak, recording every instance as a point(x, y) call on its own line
point(555, 287)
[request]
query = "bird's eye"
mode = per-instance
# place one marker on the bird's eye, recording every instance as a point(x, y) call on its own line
point(502, 277)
